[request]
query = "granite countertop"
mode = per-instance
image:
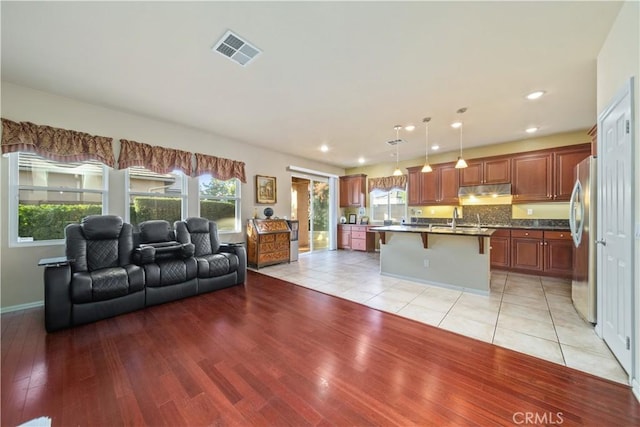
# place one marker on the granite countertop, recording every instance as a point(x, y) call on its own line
point(437, 229)
point(526, 226)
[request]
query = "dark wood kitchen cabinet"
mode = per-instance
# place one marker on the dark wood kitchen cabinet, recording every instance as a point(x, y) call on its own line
point(558, 253)
point(353, 191)
point(546, 175)
point(565, 162)
point(531, 177)
point(500, 248)
point(527, 249)
point(439, 187)
point(487, 171)
point(543, 252)
point(449, 183)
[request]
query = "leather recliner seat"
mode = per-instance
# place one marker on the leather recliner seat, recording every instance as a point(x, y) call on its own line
point(101, 281)
point(169, 267)
point(219, 266)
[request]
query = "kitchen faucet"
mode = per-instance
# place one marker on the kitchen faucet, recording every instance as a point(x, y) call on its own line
point(455, 217)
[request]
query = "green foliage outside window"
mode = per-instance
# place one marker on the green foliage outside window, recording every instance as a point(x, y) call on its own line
point(47, 221)
point(146, 208)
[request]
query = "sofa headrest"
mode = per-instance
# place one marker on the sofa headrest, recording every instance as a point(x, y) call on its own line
point(155, 230)
point(99, 227)
point(197, 225)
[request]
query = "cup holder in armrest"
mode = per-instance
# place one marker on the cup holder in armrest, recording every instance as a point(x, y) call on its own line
point(152, 252)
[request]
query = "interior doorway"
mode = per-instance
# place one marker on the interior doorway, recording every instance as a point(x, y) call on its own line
point(310, 206)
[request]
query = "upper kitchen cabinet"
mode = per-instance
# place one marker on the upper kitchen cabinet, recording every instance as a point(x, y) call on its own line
point(449, 183)
point(486, 171)
point(353, 190)
point(546, 175)
point(531, 177)
point(439, 187)
point(565, 162)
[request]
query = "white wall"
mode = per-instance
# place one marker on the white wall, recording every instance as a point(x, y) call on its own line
point(618, 60)
point(20, 278)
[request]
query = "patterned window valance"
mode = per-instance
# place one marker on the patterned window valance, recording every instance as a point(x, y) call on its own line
point(220, 168)
point(57, 144)
point(154, 158)
point(388, 183)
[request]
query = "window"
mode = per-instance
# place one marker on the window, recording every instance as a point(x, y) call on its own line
point(220, 202)
point(46, 196)
point(155, 196)
point(390, 205)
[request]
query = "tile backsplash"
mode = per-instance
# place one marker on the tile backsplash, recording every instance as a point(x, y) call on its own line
point(494, 215)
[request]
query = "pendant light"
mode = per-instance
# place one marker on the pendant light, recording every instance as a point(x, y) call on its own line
point(460, 164)
point(427, 167)
point(397, 172)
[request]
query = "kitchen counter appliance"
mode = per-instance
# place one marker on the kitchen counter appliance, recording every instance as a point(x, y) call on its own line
point(582, 221)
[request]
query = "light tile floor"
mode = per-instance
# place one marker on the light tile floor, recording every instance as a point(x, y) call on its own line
point(526, 313)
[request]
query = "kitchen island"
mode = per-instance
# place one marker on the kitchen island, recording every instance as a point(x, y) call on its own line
point(440, 255)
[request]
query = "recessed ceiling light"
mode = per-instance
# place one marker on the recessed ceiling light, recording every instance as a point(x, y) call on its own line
point(535, 95)
point(361, 160)
point(456, 125)
point(532, 129)
point(324, 148)
point(435, 147)
point(409, 128)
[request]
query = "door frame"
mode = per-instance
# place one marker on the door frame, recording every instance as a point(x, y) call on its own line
point(305, 173)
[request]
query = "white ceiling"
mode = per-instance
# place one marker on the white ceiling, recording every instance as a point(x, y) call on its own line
point(335, 73)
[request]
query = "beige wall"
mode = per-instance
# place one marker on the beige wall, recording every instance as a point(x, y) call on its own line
point(20, 278)
point(619, 60)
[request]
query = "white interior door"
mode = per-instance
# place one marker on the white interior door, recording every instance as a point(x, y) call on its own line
point(615, 226)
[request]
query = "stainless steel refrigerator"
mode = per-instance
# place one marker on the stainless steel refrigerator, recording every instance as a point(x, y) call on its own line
point(582, 220)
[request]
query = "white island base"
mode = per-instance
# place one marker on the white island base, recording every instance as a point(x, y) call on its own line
point(451, 261)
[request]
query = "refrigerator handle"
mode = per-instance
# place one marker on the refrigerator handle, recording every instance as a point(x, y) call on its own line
point(576, 234)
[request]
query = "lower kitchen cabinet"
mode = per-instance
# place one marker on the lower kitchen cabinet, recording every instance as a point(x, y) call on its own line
point(527, 250)
point(500, 248)
point(356, 237)
point(547, 253)
point(558, 253)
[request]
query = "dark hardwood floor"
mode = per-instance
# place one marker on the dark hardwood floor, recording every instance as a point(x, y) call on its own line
point(273, 353)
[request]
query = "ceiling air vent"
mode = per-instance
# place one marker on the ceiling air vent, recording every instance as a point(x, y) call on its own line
point(236, 49)
point(396, 142)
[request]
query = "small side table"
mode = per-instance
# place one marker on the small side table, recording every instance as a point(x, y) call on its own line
point(55, 262)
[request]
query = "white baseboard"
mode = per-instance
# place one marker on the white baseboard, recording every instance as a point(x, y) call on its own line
point(635, 386)
point(21, 307)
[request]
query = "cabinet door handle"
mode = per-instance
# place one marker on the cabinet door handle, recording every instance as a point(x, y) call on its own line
point(541, 243)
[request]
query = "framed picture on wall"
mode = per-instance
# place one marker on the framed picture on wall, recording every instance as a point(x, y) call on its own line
point(352, 218)
point(266, 190)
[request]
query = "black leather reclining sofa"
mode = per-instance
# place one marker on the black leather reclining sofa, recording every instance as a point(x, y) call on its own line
point(111, 269)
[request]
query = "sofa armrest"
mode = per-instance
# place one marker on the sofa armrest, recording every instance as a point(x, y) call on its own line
point(57, 297)
point(144, 254)
point(239, 250)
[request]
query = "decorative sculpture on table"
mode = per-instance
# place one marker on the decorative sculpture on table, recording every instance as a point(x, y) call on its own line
point(268, 212)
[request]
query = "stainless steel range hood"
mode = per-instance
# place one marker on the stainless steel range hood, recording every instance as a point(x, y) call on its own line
point(492, 190)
